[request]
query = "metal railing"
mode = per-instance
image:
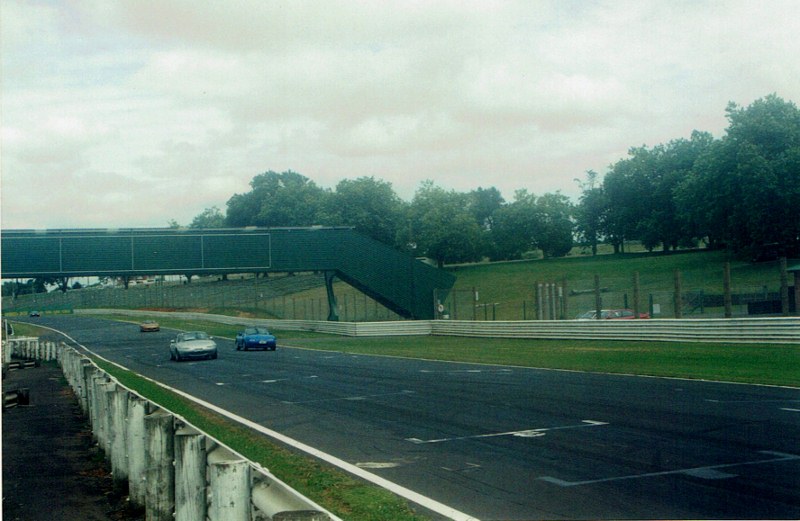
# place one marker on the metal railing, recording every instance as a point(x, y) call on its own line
point(784, 330)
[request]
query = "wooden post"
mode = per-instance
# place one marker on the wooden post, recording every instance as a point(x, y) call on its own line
point(159, 454)
point(677, 295)
point(190, 475)
point(636, 303)
point(726, 288)
point(784, 288)
point(564, 300)
point(797, 292)
point(598, 301)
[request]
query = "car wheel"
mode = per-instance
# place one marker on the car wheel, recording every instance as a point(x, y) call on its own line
point(214, 356)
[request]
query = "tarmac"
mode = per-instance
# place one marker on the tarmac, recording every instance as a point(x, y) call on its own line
point(52, 468)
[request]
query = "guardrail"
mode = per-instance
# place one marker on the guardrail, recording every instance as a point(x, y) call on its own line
point(174, 470)
point(779, 330)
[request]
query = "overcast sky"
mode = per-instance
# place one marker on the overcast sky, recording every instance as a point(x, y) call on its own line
point(132, 113)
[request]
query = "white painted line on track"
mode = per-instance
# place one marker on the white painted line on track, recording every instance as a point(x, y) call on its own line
point(709, 472)
point(529, 433)
point(350, 398)
point(789, 409)
point(399, 490)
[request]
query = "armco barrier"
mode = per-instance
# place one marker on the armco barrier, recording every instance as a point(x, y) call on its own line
point(780, 330)
point(174, 470)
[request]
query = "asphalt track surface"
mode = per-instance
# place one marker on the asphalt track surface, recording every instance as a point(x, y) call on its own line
point(503, 442)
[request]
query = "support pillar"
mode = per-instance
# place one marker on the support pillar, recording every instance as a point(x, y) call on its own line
point(333, 310)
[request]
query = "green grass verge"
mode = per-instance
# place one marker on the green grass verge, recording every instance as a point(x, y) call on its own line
point(345, 496)
point(769, 364)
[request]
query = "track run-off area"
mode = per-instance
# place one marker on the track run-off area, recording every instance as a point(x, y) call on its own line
point(496, 442)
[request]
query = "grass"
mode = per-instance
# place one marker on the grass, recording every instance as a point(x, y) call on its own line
point(768, 364)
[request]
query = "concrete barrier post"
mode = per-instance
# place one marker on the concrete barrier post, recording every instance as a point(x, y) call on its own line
point(83, 369)
point(190, 475)
point(107, 391)
point(119, 447)
point(100, 409)
point(89, 371)
point(160, 473)
point(136, 449)
point(229, 479)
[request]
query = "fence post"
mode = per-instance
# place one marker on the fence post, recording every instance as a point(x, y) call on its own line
point(677, 296)
point(636, 303)
point(726, 288)
point(598, 301)
point(160, 473)
point(190, 475)
point(784, 288)
point(229, 479)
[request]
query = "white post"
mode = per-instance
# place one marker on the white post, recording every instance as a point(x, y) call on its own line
point(135, 441)
point(190, 475)
point(160, 473)
point(119, 448)
point(229, 479)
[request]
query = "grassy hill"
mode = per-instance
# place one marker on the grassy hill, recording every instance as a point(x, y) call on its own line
point(512, 283)
point(506, 290)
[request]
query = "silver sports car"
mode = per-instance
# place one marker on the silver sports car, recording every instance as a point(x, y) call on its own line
point(192, 345)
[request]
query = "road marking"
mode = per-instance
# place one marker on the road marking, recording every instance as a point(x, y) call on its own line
point(472, 371)
point(377, 465)
point(709, 472)
point(351, 398)
point(790, 410)
point(469, 467)
point(529, 433)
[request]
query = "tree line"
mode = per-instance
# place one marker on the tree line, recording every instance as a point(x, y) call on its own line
point(740, 192)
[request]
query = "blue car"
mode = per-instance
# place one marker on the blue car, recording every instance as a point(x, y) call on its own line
point(255, 338)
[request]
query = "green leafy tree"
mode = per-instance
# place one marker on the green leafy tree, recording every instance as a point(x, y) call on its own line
point(370, 206)
point(440, 227)
point(744, 192)
point(275, 200)
point(554, 230)
point(209, 218)
point(590, 212)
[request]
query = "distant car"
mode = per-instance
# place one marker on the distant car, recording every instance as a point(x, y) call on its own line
point(612, 314)
point(34, 314)
point(149, 325)
point(256, 338)
point(192, 345)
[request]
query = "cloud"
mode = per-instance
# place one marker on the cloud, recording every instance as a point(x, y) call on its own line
point(151, 111)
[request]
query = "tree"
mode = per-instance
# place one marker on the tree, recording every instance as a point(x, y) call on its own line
point(514, 230)
point(745, 189)
point(209, 218)
point(590, 212)
point(275, 200)
point(554, 228)
point(440, 226)
point(368, 205)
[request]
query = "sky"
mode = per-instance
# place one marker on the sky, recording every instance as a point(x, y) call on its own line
point(133, 113)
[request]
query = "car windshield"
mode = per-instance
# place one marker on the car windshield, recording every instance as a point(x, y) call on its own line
point(194, 335)
point(256, 331)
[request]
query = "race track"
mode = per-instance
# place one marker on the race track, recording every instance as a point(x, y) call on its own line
point(503, 442)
